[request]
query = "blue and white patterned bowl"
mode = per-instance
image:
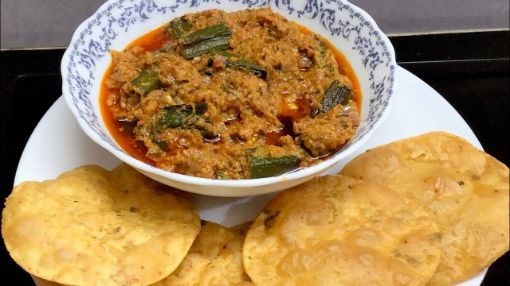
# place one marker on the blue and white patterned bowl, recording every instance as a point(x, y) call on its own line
point(119, 22)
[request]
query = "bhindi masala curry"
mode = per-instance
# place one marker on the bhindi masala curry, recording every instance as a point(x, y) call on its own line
point(237, 95)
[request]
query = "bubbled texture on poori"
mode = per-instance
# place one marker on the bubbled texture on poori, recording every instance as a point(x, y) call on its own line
point(214, 259)
point(336, 230)
point(464, 189)
point(94, 227)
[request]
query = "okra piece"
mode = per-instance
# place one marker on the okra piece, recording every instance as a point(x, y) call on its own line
point(146, 81)
point(207, 33)
point(204, 47)
point(201, 108)
point(173, 116)
point(248, 66)
point(162, 145)
point(179, 27)
point(334, 95)
point(262, 167)
point(126, 126)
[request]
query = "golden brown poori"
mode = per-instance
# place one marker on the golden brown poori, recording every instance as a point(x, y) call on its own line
point(330, 230)
point(427, 210)
point(94, 227)
point(464, 189)
point(214, 259)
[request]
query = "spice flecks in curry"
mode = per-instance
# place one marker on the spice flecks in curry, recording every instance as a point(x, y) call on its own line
point(235, 95)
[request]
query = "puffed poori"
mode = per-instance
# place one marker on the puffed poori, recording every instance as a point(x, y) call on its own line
point(464, 189)
point(336, 230)
point(90, 226)
point(214, 259)
point(427, 210)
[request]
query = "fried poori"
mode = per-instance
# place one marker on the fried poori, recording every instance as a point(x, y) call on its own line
point(94, 227)
point(464, 189)
point(214, 259)
point(336, 230)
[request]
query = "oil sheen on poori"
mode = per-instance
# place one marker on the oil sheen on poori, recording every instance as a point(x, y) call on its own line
point(237, 95)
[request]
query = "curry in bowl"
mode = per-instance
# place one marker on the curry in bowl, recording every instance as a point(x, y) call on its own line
point(237, 95)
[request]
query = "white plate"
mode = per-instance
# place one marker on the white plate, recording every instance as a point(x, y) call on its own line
point(58, 145)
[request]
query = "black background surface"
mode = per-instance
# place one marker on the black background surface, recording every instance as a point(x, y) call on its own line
point(470, 70)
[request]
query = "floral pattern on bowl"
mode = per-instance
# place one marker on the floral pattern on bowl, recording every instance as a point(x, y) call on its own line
point(118, 22)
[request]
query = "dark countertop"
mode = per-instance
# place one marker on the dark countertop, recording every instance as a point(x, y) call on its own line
point(471, 70)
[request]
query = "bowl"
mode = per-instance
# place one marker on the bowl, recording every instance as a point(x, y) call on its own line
point(118, 22)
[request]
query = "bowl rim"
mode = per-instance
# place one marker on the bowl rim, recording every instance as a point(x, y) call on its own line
point(199, 181)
